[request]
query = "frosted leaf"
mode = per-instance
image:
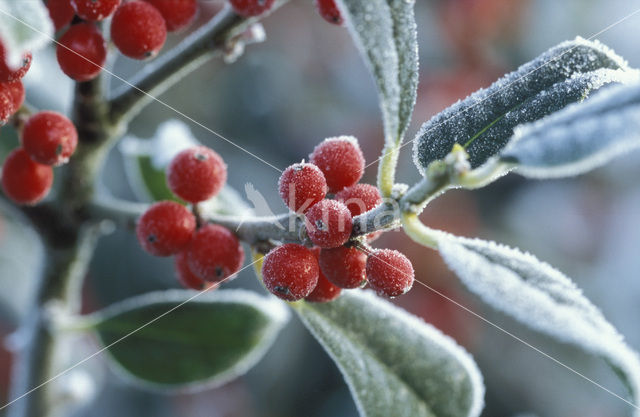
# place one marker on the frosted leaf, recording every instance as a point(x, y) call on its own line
point(540, 297)
point(395, 364)
point(385, 32)
point(24, 26)
point(579, 138)
point(484, 121)
point(205, 342)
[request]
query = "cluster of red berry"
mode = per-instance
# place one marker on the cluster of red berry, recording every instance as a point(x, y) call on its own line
point(138, 29)
point(206, 254)
point(327, 8)
point(293, 272)
point(48, 139)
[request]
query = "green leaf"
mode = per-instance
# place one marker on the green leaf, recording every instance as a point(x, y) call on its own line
point(483, 122)
point(175, 341)
point(395, 364)
point(385, 32)
point(24, 26)
point(540, 297)
point(579, 138)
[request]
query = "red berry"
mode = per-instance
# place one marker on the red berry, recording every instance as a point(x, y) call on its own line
point(23, 180)
point(61, 12)
point(324, 291)
point(165, 228)
point(389, 272)
point(360, 198)
point(94, 10)
point(341, 161)
point(177, 13)
point(290, 271)
point(251, 7)
point(11, 98)
point(187, 278)
point(82, 52)
point(196, 174)
point(329, 11)
point(215, 253)
point(7, 72)
point(329, 224)
point(49, 138)
point(344, 266)
point(301, 186)
point(138, 30)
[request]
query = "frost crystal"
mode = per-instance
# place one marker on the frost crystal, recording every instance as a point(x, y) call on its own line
point(484, 121)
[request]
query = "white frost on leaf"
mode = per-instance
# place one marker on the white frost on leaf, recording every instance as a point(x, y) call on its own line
point(24, 26)
point(394, 363)
point(483, 122)
point(540, 297)
point(579, 138)
point(385, 32)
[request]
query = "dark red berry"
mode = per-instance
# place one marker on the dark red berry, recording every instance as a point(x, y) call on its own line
point(61, 12)
point(8, 72)
point(329, 224)
point(329, 11)
point(325, 291)
point(82, 52)
point(196, 174)
point(341, 161)
point(360, 198)
point(301, 186)
point(290, 271)
point(344, 266)
point(215, 253)
point(187, 278)
point(23, 180)
point(94, 10)
point(11, 98)
point(165, 228)
point(251, 7)
point(49, 138)
point(389, 272)
point(138, 30)
point(177, 13)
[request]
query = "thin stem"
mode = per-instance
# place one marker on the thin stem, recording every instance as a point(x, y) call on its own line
point(387, 169)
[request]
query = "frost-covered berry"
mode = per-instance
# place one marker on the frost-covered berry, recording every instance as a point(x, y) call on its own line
point(196, 174)
point(329, 11)
point(23, 180)
point(187, 278)
point(389, 272)
point(11, 98)
point(49, 138)
point(8, 72)
point(82, 52)
point(344, 266)
point(215, 253)
point(329, 224)
point(177, 13)
point(341, 161)
point(301, 186)
point(138, 30)
point(360, 198)
point(290, 271)
point(165, 228)
point(95, 10)
point(324, 291)
point(248, 8)
point(61, 12)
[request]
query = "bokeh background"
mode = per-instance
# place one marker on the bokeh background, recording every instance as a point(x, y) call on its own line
point(307, 82)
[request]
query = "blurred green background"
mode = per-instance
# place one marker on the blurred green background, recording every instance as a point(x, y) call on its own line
point(307, 82)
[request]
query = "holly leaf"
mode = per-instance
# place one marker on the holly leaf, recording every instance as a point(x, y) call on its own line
point(483, 123)
point(579, 138)
point(394, 363)
point(385, 32)
point(24, 26)
point(540, 297)
point(173, 340)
